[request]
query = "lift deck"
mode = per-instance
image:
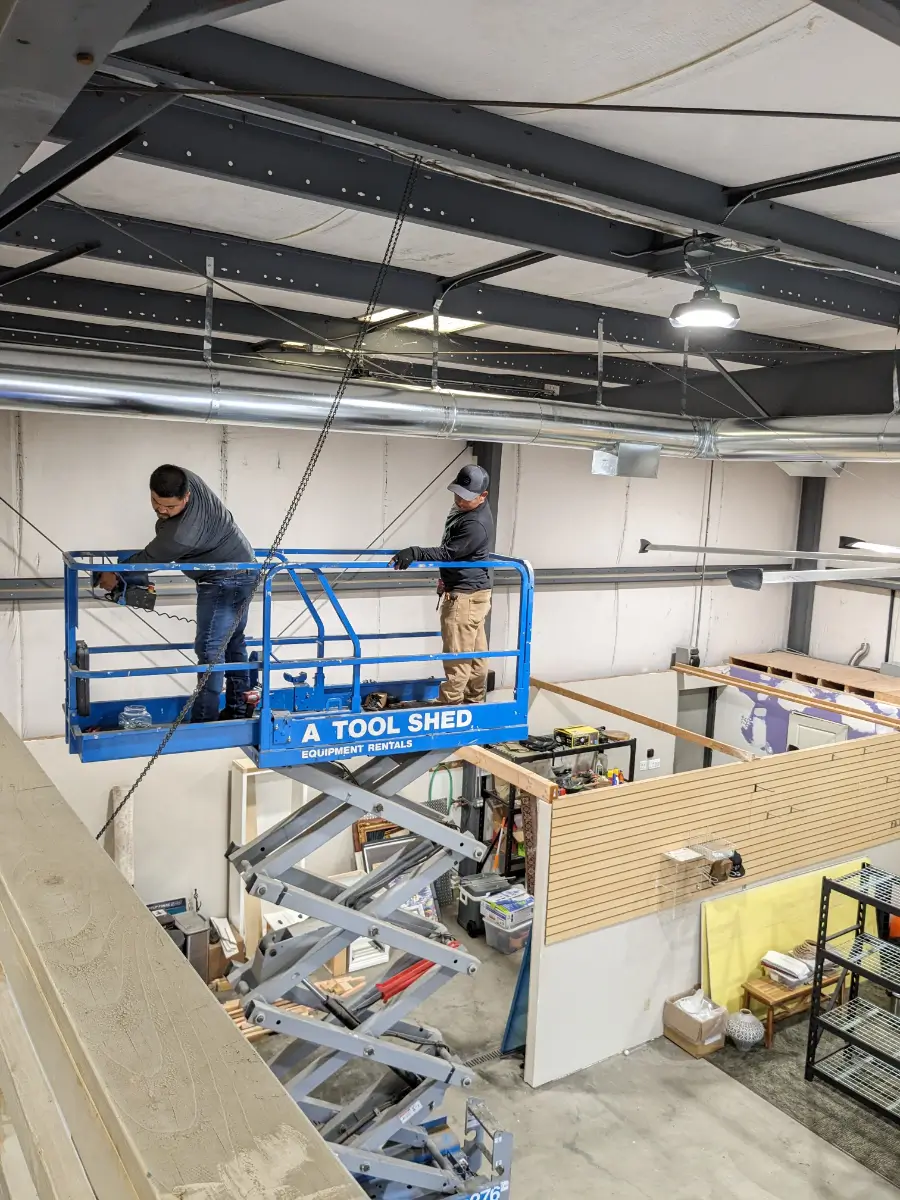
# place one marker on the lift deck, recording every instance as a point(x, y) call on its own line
point(393, 1135)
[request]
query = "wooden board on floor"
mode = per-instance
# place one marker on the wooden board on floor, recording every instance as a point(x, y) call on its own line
point(189, 1108)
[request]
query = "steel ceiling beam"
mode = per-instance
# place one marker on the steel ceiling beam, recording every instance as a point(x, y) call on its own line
point(74, 301)
point(48, 51)
point(144, 243)
point(250, 150)
point(462, 137)
point(119, 127)
point(881, 17)
point(859, 383)
point(816, 181)
point(10, 275)
point(165, 18)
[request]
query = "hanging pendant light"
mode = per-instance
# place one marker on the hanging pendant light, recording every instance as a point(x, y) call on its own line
point(705, 310)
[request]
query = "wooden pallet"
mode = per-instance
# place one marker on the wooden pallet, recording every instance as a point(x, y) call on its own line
point(835, 677)
point(341, 988)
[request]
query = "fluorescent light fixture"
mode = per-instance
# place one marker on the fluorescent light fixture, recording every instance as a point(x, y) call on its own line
point(384, 314)
point(705, 310)
point(815, 555)
point(753, 578)
point(851, 543)
point(445, 324)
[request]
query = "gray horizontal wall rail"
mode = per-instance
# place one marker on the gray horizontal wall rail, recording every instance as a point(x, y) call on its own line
point(49, 590)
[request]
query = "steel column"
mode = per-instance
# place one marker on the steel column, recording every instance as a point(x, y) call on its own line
point(809, 528)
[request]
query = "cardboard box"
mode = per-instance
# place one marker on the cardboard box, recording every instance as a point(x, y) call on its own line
point(696, 1037)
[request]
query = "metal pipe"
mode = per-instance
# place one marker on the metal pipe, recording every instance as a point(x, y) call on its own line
point(86, 384)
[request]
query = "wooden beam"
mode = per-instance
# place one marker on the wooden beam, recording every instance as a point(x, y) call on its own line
point(716, 677)
point(510, 772)
point(188, 1107)
point(50, 1154)
point(640, 719)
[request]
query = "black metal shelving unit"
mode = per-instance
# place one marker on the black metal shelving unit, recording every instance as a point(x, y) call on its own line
point(866, 1065)
point(511, 864)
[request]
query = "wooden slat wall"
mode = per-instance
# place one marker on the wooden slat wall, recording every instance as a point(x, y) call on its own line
point(783, 813)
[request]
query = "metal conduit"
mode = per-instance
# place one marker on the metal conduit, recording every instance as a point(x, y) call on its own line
point(86, 385)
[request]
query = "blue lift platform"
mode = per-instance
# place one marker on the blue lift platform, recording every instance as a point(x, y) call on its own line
point(312, 725)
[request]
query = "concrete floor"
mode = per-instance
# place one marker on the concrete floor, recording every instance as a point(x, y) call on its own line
point(654, 1124)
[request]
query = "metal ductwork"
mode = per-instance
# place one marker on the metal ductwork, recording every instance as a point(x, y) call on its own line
point(93, 386)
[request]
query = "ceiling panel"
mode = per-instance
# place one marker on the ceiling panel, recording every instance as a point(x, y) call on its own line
point(770, 54)
point(559, 51)
point(161, 193)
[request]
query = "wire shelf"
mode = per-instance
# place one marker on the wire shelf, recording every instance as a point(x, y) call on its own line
point(876, 1028)
point(874, 884)
point(869, 955)
point(871, 1079)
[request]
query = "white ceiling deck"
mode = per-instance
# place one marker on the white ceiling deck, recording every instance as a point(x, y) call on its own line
point(760, 53)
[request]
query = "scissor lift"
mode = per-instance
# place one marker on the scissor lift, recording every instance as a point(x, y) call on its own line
point(312, 725)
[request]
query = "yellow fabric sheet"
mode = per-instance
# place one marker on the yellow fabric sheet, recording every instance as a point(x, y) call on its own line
point(737, 930)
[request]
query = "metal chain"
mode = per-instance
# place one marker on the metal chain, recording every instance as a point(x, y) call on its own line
point(349, 369)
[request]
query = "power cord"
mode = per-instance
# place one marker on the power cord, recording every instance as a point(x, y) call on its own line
point(264, 567)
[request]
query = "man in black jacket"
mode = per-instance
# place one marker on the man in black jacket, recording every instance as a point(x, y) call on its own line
point(468, 537)
point(193, 525)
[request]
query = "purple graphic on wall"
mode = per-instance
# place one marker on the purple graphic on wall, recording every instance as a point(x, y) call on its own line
point(765, 727)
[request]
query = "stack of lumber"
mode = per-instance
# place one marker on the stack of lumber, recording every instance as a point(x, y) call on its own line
point(343, 987)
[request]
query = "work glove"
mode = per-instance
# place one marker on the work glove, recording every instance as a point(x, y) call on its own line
point(403, 558)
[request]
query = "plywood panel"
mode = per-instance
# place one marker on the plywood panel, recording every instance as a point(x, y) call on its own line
point(189, 1108)
point(607, 852)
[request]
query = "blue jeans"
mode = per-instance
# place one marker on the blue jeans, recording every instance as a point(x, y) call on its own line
point(222, 608)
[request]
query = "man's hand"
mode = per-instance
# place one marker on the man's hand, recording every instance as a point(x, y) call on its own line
point(107, 580)
point(402, 559)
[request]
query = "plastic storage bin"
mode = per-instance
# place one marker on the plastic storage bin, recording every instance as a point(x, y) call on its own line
point(509, 909)
point(506, 941)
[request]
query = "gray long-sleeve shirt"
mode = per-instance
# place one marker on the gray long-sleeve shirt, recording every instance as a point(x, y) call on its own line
point(204, 531)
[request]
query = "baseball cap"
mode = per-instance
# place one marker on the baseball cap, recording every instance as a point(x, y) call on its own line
point(470, 483)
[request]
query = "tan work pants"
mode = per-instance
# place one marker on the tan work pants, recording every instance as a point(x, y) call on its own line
point(462, 628)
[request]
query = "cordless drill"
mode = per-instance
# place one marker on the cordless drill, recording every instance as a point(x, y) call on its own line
point(132, 595)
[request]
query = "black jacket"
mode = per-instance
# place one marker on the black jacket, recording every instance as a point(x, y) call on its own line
point(468, 537)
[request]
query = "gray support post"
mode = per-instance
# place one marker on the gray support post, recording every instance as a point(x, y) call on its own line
point(809, 528)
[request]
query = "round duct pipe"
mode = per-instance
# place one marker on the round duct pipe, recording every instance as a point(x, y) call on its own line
point(97, 385)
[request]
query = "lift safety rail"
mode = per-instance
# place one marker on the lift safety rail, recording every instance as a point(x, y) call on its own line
point(313, 688)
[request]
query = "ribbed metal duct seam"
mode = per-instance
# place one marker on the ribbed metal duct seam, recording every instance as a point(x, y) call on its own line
point(91, 385)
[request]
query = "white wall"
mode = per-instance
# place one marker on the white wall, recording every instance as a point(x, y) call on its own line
point(597, 995)
point(556, 514)
point(83, 481)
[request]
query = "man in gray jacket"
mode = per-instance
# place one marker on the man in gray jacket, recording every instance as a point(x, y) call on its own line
point(193, 525)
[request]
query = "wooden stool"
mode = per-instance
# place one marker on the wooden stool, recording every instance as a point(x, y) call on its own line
point(779, 1001)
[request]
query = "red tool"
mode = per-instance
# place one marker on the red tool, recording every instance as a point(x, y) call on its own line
point(395, 984)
